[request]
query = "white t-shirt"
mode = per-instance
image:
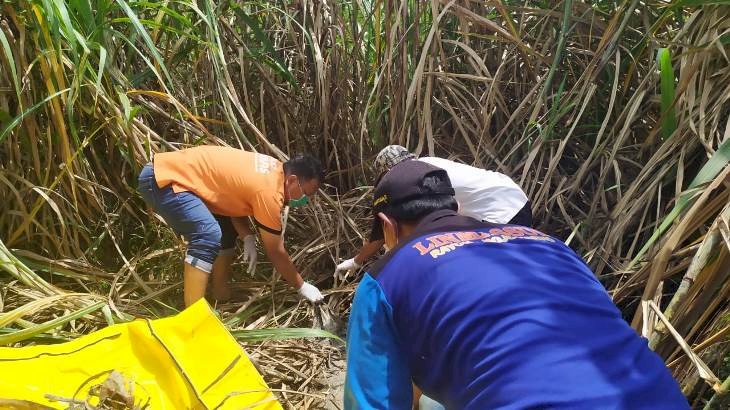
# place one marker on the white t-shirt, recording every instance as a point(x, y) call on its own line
point(484, 195)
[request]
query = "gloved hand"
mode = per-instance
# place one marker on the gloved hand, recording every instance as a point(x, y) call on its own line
point(345, 267)
point(249, 253)
point(310, 292)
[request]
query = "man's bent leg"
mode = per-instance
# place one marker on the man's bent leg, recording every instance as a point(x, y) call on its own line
point(222, 265)
point(195, 282)
point(222, 274)
point(190, 217)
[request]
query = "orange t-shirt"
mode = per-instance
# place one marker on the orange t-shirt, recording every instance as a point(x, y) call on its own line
point(230, 181)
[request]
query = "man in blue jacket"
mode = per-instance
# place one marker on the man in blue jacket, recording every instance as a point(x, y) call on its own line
point(485, 316)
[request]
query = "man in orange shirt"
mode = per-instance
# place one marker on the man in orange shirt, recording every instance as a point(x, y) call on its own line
point(206, 195)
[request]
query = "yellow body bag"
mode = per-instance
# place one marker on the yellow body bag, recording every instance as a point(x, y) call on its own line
point(187, 361)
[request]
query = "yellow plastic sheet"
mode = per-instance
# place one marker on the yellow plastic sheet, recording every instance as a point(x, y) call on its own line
point(188, 361)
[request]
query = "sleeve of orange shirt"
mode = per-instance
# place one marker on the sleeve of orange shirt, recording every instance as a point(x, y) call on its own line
point(266, 208)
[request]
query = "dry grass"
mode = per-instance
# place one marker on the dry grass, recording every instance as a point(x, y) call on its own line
point(614, 117)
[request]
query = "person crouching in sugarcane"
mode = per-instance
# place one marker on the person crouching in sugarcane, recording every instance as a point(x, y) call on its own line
point(207, 193)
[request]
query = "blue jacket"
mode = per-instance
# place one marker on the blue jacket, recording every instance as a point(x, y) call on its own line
point(484, 316)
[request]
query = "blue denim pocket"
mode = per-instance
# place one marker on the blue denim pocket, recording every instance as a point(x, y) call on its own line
point(186, 214)
point(147, 186)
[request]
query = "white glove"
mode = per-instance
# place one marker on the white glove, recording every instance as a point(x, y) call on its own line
point(249, 253)
point(346, 267)
point(310, 292)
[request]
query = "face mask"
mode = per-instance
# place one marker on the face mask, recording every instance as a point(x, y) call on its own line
point(301, 201)
point(293, 203)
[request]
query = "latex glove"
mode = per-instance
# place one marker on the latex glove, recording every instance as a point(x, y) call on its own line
point(310, 292)
point(346, 267)
point(249, 253)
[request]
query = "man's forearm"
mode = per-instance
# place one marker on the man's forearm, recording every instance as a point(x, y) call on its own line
point(283, 265)
point(368, 250)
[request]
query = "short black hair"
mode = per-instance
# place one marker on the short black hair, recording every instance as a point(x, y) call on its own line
point(304, 166)
point(413, 210)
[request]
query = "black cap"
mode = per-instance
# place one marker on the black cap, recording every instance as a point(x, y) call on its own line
point(405, 182)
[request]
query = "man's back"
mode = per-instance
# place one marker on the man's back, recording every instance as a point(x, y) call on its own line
point(498, 317)
point(230, 181)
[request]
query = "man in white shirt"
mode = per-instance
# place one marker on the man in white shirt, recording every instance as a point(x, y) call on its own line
point(484, 195)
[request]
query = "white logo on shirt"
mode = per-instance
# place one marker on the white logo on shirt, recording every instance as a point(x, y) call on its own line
point(264, 164)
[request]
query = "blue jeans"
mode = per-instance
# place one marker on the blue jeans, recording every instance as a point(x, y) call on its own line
point(207, 234)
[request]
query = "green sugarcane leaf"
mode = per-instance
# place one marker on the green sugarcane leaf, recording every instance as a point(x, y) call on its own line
point(4, 132)
point(274, 61)
point(24, 334)
point(11, 63)
point(666, 72)
point(257, 335)
point(719, 160)
point(139, 28)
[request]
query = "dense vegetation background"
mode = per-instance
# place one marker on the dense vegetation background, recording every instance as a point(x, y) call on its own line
point(612, 115)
